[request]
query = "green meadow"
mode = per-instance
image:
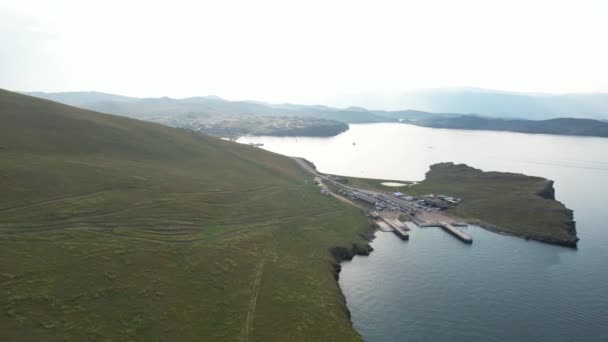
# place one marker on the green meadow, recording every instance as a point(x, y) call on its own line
point(118, 229)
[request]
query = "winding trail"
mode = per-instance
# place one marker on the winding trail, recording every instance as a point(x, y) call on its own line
point(247, 331)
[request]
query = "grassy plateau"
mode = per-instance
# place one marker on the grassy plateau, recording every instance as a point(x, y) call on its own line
point(504, 202)
point(118, 229)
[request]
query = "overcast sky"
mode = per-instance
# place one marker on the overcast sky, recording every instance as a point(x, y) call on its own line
point(302, 50)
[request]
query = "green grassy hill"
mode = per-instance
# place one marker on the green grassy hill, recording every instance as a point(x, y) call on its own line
point(506, 202)
point(118, 229)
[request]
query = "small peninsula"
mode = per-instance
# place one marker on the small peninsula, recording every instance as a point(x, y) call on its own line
point(507, 203)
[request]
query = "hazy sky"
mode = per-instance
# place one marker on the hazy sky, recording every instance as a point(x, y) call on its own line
point(302, 50)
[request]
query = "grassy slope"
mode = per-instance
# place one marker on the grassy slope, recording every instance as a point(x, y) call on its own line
point(116, 229)
point(508, 200)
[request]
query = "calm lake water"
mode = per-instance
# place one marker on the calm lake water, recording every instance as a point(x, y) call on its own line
point(501, 288)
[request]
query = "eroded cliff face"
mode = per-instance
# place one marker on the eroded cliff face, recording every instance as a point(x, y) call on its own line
point(548, 192)
point(345, 253)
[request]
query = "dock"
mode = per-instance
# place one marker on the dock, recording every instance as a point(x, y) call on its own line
point(383, 226)
point(392, 203)
point(423, 224)
point(456, 232)
point(448, 227)
point(398, 228)
point(395, 223)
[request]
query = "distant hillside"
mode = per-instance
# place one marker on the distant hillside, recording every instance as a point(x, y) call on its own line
point(114, 229)
point(234, 126)
point(218, 116)
point(484, 102)
point(581, 127)
point(81, 98)
point(160, 108)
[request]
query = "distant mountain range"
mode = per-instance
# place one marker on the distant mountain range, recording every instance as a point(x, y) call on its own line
point(183, 112)
point(158, 108)
point(490, 103)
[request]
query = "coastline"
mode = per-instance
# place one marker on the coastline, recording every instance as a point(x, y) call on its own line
point(497, 230)
point(312, 131)
point(341, 254)
point(545, 191)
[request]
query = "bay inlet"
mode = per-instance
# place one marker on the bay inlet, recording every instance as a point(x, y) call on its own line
point(501, 288)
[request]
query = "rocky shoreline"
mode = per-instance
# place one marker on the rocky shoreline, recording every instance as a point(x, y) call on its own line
point(508, 203)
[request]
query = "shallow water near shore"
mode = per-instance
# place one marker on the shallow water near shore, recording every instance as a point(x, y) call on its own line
point(500, 288)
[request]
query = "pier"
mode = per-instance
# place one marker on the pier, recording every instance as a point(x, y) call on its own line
point(385, 222)
point(423, 224)
point(401, 233)
point(455, 232)
point(383, 226)
point(398, 228)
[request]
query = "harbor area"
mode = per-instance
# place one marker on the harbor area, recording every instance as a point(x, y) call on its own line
point(396, 223)
point(391, 210)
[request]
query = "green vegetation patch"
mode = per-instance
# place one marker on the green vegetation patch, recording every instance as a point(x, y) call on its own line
point(508, 202)
point(117, 229)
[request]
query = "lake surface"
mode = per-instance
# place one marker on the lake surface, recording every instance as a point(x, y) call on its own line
point(500, 288)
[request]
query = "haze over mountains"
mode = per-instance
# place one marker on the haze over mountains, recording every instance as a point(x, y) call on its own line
point(491, 103)
point(482, 102)
point(151, 108)
point(475, 109)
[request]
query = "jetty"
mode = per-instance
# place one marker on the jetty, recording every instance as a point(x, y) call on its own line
point(423, 224)
point(383, 226)
point(399, 228)
point(401, 233)
point(455, 232)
